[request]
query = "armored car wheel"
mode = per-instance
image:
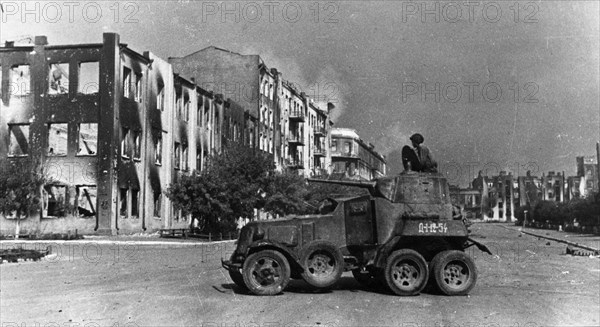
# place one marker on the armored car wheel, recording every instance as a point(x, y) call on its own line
point(454, 272)
point(266, 272)
point(237, 278)
point(323, 264)
point(406, 272)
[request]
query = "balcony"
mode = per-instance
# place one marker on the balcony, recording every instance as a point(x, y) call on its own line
point(294, 163)
point(295, 139)
point(297, 115)
point(319, 152)
point(320, 131)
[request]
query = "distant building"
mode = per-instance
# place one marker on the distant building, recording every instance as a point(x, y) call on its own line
point(353, 158)
point(553, 187)
point(587, 167)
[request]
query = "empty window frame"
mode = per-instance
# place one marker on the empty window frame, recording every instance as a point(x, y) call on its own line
point(157, 204)
point(186, 109)
point(177, 157)
point(158, 148)
point(125, 150)
point(58, 79)
point(135, 203)
point(89, 77)
point(137, 145)
point(54, 201)
point(57, 139)
point(178, 106)
point(20, 80)
point(88, 139)
point(184, 158)
point(126, 82)
point(19, 140)
point(138, 87)
point(160, 98)
point(86, 201)
point(333, 145)
point(123, 202)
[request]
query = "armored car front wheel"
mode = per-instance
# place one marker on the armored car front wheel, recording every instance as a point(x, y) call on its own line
point(266, 272)
point(454, 272)
point(406, 272)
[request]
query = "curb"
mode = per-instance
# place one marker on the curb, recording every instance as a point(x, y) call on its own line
point(196, 244)
point(589, 248)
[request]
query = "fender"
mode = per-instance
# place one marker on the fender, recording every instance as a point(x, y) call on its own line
point(385, 250)
point(266, 244)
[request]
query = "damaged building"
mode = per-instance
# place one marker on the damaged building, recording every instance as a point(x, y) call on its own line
point(114, 128)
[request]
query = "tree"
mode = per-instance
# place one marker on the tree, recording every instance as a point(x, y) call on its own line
point(230, 187)
point(21, 183)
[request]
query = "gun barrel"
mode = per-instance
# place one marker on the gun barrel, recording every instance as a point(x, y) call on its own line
point(364, 184)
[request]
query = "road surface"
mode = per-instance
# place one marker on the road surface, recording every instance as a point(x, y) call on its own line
point(528, 282)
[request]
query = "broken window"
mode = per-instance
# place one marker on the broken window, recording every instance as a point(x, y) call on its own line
point(135, 203)
point(57, 139)
point(334, 145)
point(54, 200)
point(126, 81)
point(58, 78)
point(184, 158)
point(138, 87)
point(160, 97)
point(157, 204)
point(158, 148)
point(88, 139)
point(125, 143)
point(186, 110)
point(20, 80)
point(89, 77)
point(177, 155)
point(86, 201)
point(137, 144)
point(19, 140)
point(178, 106)
point(123, 202)
point(198, 159)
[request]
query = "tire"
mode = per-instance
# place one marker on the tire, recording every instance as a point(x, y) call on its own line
point(454, 272)
point(322, 263)
point(266, 272)
point(406, 272)
point(237, 278)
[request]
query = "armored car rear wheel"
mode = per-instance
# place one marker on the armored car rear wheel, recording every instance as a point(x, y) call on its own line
point(406, 272)
point(266, 272)
point(454, 272)
point(323, 264)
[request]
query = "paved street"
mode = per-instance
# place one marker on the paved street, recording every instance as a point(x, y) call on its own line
point(528, 282)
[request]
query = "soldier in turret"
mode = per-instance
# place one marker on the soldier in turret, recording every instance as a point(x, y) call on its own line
point(419, 157)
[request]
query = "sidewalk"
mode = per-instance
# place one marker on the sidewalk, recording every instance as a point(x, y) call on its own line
point(587, 240)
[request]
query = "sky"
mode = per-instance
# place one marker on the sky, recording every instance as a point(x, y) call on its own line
point(492, 85)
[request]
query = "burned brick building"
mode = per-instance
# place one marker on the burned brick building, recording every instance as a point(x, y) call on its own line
point(114, 128)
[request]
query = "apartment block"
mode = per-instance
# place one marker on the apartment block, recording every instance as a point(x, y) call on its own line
point(287, 123)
